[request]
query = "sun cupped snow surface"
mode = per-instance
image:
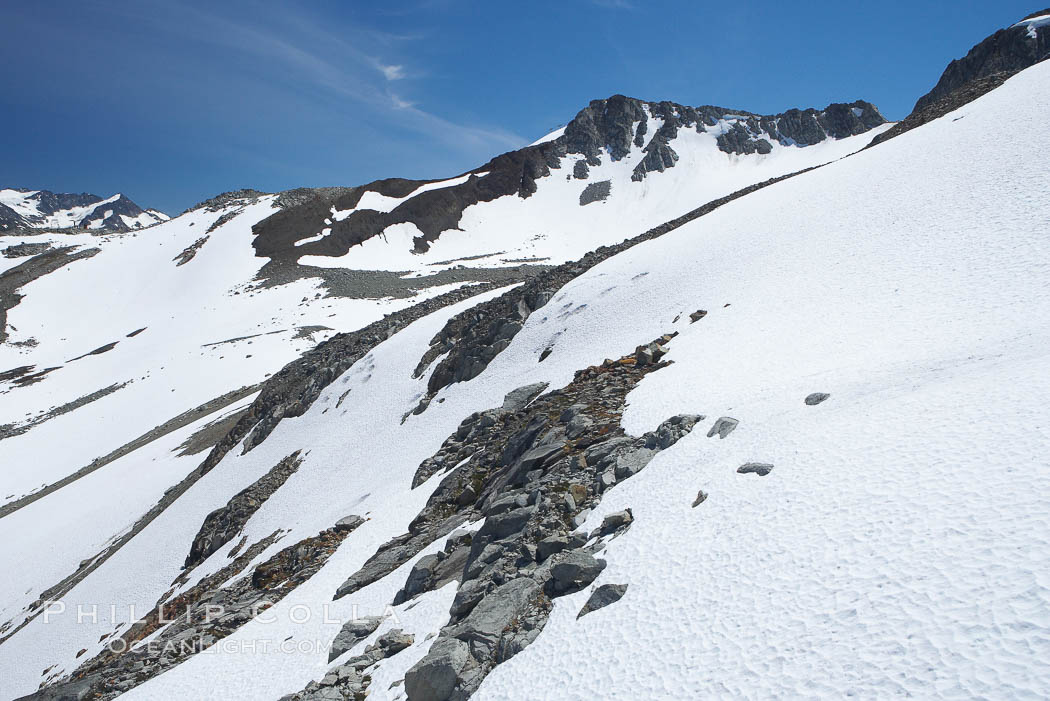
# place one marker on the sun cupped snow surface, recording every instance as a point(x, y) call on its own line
point(897, 548)
point(551, 225)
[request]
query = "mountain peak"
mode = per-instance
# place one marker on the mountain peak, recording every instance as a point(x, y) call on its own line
point(25, 209)
point(1005, 52)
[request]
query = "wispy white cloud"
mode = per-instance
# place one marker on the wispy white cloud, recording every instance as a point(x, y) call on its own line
point(294, 51)
point(399, 103)
point(392, 72)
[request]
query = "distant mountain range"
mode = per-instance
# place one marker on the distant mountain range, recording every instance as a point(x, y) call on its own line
point(22, 209)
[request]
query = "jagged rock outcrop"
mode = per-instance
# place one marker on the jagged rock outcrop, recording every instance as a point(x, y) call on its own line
point(603, 596)
point(533, 470)
point(1007, 51)
point(987, 66)
point(758, 468)
point(595, 192)
point(350, 681)
point(222, 525)
point(353, 632)
point(226, 199)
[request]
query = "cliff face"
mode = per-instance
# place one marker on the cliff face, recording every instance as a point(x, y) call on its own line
point(1007, 51)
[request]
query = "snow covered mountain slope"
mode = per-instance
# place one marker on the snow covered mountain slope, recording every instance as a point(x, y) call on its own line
point(40, 209)
point(202, 308)
point(790, 444)
point(895, 548)
point(170, 332)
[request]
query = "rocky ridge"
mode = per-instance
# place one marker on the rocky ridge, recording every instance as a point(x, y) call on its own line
point(533, 469)
point(606, 128)
point(987, 66)
point(1006, 51)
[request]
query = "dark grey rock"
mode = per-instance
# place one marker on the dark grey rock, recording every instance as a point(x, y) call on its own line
point(506, 524)
point(1006, 51)
point(223, 524)
point(615, 521)
point(26, 250)
point(521, 441)
point(467, 597)
point(507, 503)
point(671, 431)
point(518, 399)
point(348, 523)
point(598, 452)
point(759, 468)
point(632, 462)
point(551, 545)
point(537, 456)
point(392, 642)
point(419, 577)
point(571, 412)
point(575, 570)
point(601, 597)
point(596, 192)
point(701, 497)
point(816, 398)
point(487, 621)
point(434, 678)
point(353, 632)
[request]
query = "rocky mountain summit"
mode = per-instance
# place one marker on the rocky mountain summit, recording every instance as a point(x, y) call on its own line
point(1007, 51)
point(22, 210)
point(627, 413)
point(987, 66)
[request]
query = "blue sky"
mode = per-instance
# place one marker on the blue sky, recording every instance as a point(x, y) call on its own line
point(174, 101)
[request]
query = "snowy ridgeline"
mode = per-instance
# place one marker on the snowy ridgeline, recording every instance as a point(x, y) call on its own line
point(40, 209)
point(896, 547)
point(561, 221)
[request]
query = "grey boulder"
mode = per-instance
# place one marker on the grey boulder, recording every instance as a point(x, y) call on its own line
point(517, 399)
point(723, 427)
point(759, 468)
point(601, 597)
point(348, 523)
point(434, 677)
point(353, 632)
point(575, 571)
